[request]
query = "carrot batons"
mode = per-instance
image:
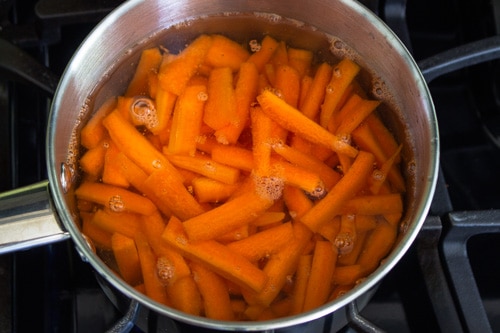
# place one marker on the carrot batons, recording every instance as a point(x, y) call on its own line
point(225, 52)
point(220, 109)
point(94, 132)
point(127, 259)
point(149, 62)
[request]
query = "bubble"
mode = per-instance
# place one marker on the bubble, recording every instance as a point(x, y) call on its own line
point(269, 187)
point(337, 72)
point(156, 164)
point(254, 45)
point(202, 96)
point(329, 89)
point(165, 270)
point(209, 166)
point(412, 167)
point(116, 204)
point(105, 144)
point(344, 242)
point(338, 45)
point(143, 112)
point(181, 240)
point(378, 175)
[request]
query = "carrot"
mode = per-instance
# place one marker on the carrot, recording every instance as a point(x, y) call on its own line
point(215, 256)
point(94, 132)
point(111, 172)
point(185, 296)
point(127, 224)
point(352, 115)
point(365, 223)
point(322, 268)
point(352, 182)
point(165, 102)
point(220, 108)
point(92, 161)
point(330, 229)
point(98, 236)
point(347, 275)
point(379, 176)
point(232, 214)
point(346, 237)
point(300, 59)
point(374, 204)
point(351, 257)
point(216, 300)
point(293, 120)
point(301, 279)
point(269, 218)
point(264, 243)
point(225, 52)
point(268, 46)
point(288, 84)
point(280, 56)
point(148, 62)
point(174, 75)
point(343, 74)
point(384, 136)
point(170, 190)
point(207, 167)
point(316, 93)
point(244, 94)
point(127, 258)
point(187, 120)
point(305, 85)
point(296, 201)
point(233, 156)
point(261, 133)
point(115, 198)
point(210, 190)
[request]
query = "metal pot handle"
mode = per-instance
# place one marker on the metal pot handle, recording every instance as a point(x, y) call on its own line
point(28, 218)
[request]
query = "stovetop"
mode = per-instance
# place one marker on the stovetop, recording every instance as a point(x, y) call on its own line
point(50, 289)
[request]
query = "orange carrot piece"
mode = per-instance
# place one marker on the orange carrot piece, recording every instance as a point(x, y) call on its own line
point(207, 167)
point(94, 131)
point(300, 59)
point(343, 74)
point(264, 243)
point(135, 146)
point(127, 258)
point(215, 256)
point(232, 214)
point(330, 229)
point(377, 246)
point(346, 237)
point(316, 93)
point(269, 218)
point(148, 62)
point(347, 275)
point(244, 94)
point(165, 103)
point(293, 120)
point(174, 75)
point(384, 136)
point(100, 237)
point(115, 198)
point(261, 134)
point(301, 279)
point(348, 186)
point(365, 223)
point(111, 172)
point(374, 204)
point(297, 202)
point(351, 257)
point(288, 84)
point(127, 224)
point(187, 120)
point(220, 108)
point(350, 118)
point(170, 190)
point(92, 161)
point(225, 52)
point(233, 156)
point(216, 300)
point(298, 176)
point(379, 176)
point(280, 56)
point(210, 190)
point(265, 53)
point(305, 85)
point(152, 283)
point(322, 268)
point(185, 296)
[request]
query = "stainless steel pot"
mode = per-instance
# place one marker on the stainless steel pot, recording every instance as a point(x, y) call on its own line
point(102, 65)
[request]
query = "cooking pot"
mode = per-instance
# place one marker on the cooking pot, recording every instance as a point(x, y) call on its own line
point(104, 63)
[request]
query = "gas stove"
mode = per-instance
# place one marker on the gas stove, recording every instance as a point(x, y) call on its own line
point(447, 282)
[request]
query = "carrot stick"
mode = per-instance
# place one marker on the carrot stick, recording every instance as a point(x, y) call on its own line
point(185, 296)
point(233, 156)
point(264, 54)
point(322, 268)
point(384, 136)
point(148, 62)
point(269, 218)
point(379, 176)
point(345, 189)
point(330, 229)
point(350, 118)
point(365, 223)
point(296, 201)
point(115, 198)
point(99, 236)
point(220, 108)
point(280, 56)
point(94, 131)
point(293, 120)
point(351, 257)
point(346, 237)
point(216, 300)
point(165, 102)
point(226, 217)
point(92, 161)
point(111, 172)
point(225, 52)
point(316, 93)
point(347, 275)
point(174, 75)
point(301, 279)
point(244, 94)
point(127, 258)
point(288, 84)
point(210, 190)
point(343, 74)
point(261, 133)
point(374, 204)
point(205, 166)
point(127, 224)
point(168, 189)
point(263, 244)
point(305, 85)
point(300, 59)
point(215, 256)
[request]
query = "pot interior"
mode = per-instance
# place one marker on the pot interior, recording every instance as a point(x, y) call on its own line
point(105, 62)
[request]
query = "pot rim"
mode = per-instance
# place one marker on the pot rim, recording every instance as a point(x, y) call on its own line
point(428, 188)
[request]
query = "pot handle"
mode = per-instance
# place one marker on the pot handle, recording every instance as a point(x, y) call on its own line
point(28, 218)
point(460, 57)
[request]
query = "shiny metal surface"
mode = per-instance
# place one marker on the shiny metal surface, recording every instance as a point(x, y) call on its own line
point(114, 44)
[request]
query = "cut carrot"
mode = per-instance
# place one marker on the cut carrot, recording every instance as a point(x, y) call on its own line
point(111, 172)
point(269, 218)
point(220, 108)
point(174, 75)
point(348, 186)
point(97, 235)
point(115, 198)
point(296, 201)
point(346, 237)
point(300, 59)
point(374, 204)
point(379, 176)
point(384, 136)
point(298, 176)
point(343, 74)
point(187, 120)
point(127, 258)
point(127, 224)
point(293, 120)
point(330, 229)
point(215, 256)
point(365, 223)
point(264, 243)
point(234, 213)
point(261, 133)
point(288, 84)
point(351, 257)
point(209, 190)
point(92, 161)
point(280, 56)
point(347, 275)
point(316, 93)
point(305, 85)
point(351, 117)
point(322, 268)
point(148, 62)
point(167, 188)
point(216, 300)
point(233, 156)
point(225, 52)
point(94, 131)
point(301, 279)
point(165, 102)
point(267, 47)
point(185, 296)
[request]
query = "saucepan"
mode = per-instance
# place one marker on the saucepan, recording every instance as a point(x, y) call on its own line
point(103, 64)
